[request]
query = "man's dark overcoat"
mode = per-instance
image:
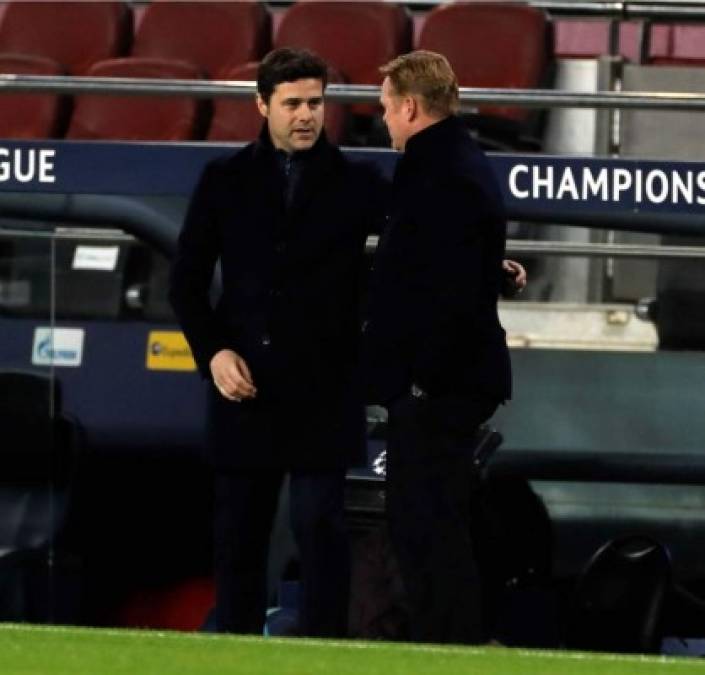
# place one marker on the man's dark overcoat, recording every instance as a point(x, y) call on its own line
point(432, 320)
point(289, 305)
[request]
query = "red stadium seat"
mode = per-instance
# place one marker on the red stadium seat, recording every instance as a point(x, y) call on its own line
point(684, 45)
point(660, 41)
point(356, 38)
point(236, 119)
point(590, 39)
point(137, 118)
point(215, 36)
point(581, 38)
point(630, 40)
point(239, 119)
point(688, 44)
point(491, 45)
point(30, 115)
point(74, 34)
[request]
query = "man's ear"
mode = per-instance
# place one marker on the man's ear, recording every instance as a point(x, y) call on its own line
point(262, 106)
point(411, 108)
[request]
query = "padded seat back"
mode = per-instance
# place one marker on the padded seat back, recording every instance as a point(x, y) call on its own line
point(137, 118)
point(581, 38)
point(491, 45)
point(355, 38)
point(214, 36)
point(30, 115)
point(74, 34)
point(682, 45)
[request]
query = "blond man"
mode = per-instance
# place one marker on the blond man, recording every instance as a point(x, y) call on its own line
point(436, 352)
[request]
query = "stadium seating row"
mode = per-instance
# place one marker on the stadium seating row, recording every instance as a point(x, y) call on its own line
point(489, 45)
point(667, 44)
point(192, 40)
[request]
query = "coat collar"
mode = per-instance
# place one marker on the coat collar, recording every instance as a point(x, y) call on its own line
point(432, 139)
point(432, 150)
point(264, 148)
point(316, 164)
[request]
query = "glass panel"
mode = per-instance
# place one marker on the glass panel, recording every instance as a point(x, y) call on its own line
point(129, 383)
point(29, 402)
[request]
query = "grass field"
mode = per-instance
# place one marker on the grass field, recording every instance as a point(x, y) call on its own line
point(36, 650)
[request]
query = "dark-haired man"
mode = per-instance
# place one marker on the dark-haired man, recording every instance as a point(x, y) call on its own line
point(287, 217)
point(437, 355)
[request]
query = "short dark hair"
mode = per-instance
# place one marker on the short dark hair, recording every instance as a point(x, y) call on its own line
point(288, 65)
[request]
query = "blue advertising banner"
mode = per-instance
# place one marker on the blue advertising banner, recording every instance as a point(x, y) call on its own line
point(603, 184)
point(533, 185)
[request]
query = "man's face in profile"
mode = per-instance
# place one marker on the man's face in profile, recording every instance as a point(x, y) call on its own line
point(294, 114)
point(394, 116)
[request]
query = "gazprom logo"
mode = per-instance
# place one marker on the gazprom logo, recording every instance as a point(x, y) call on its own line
point(57, 346)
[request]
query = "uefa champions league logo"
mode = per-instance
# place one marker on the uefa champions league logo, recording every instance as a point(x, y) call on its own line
point(379, 464)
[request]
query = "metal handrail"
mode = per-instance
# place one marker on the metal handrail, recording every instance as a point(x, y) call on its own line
point(590, 250)
point(531, 98)
point(67, 234)
point(597, 250)
point(514, 246)
point(664, 10)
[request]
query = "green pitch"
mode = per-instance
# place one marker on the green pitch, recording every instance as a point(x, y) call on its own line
point(30, 650)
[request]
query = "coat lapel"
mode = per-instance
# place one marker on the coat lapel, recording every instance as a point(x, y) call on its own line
point(264, 178)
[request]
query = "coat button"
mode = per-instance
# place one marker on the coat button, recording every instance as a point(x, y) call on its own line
point(266, 341)
point(364, 326)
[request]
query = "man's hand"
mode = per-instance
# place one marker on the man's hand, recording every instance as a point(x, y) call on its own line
point(517, 275)
point(231, 376)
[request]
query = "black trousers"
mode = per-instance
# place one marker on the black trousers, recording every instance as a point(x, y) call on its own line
point(429, 484)
point(245, 506)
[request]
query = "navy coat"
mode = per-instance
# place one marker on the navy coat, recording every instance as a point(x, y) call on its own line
point(432, 319)
point(289, 305)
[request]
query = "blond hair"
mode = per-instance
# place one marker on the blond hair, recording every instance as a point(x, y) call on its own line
point(427, 75)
